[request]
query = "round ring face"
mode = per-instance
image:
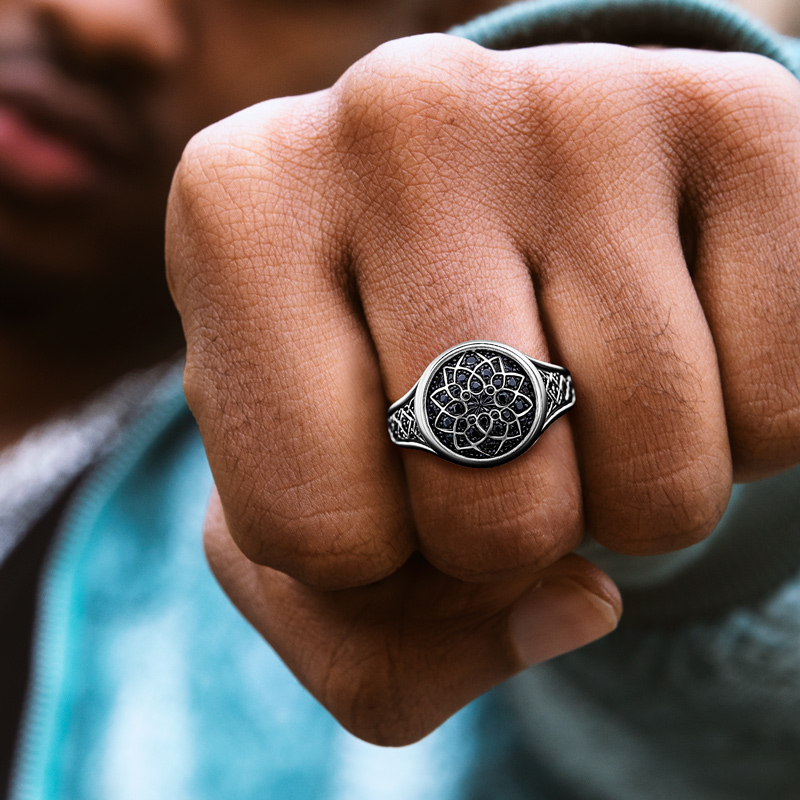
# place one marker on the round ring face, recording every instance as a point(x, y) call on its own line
point(480, 403)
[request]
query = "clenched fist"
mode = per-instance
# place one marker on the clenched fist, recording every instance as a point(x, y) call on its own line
point(629, 214)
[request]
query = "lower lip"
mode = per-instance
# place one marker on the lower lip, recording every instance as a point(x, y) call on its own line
point(40, 162)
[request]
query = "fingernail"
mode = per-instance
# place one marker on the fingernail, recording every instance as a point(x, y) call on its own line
point(557, 616)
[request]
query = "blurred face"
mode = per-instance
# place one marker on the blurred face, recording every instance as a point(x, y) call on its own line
point(98, 97)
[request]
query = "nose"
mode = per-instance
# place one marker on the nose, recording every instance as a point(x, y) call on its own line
point(145, 32)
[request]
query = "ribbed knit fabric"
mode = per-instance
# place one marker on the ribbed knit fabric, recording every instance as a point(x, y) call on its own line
point(703, 24)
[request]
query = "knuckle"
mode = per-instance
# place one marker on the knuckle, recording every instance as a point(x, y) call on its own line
point(677, 504)
point(739, 106)
point(762, 81)
point(726, 84)
point(322, 546)
point(405, 91)
point(760, 384)
point(206, 160)
point(201, 207)
point(246, 171)
point(433, 65)
point(502, 533)
point(765, 431)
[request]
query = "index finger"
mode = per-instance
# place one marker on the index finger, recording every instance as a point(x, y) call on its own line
point(280, 373)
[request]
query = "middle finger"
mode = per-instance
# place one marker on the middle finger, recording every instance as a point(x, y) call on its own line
point(460, 281)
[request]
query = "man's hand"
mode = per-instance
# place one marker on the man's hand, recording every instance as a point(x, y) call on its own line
point(629, 214)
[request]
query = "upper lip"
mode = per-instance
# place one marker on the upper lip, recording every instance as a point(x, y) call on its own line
point(83, 116)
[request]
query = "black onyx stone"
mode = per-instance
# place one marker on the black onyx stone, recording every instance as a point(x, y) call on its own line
point(489, 404)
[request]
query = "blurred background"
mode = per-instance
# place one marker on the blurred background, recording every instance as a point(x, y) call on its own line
point(783, 15)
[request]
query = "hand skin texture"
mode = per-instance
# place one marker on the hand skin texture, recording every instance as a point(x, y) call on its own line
point(630, 214)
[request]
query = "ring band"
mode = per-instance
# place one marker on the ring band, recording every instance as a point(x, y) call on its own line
point(480, 404)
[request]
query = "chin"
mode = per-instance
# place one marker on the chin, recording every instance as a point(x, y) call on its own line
point(45, 259)
point(49, 249)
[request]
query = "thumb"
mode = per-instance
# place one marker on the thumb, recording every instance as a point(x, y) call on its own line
point(394, 659)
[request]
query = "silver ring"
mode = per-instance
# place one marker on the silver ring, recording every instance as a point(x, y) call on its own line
point(481, 404)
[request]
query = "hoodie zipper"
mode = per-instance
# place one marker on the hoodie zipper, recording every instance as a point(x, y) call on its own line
point(32, 777)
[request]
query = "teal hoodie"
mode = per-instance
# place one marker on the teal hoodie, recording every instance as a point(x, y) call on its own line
point(147, 683)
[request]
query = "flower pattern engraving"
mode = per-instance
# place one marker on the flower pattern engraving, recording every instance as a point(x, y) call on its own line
point(481, 404)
